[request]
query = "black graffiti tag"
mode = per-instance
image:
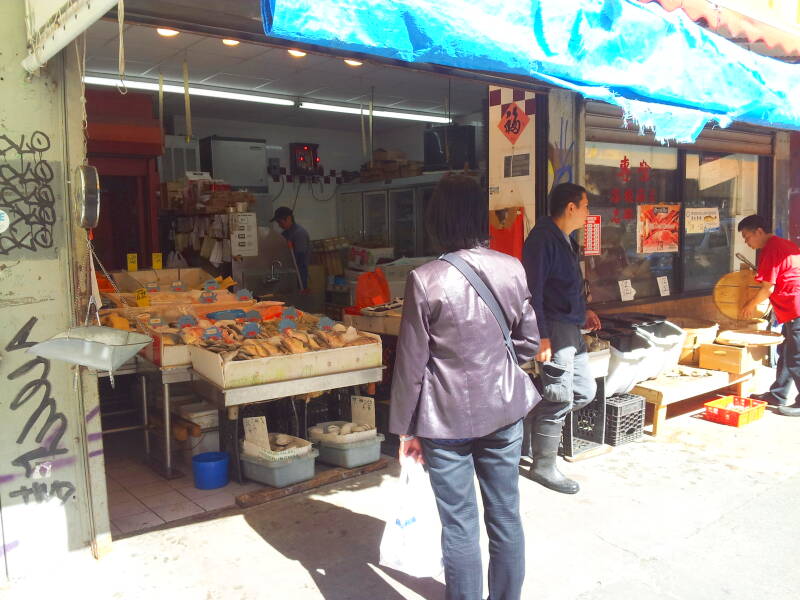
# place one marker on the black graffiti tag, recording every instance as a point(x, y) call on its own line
point(25, 193)
point(55, 422)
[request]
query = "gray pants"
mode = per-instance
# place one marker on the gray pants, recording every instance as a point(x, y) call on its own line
point(567, 383)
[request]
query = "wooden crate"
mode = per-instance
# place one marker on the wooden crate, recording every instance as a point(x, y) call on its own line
point(732, 359)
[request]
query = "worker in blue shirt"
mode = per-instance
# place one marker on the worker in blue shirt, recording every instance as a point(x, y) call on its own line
point(552, 265)
point(298, 240)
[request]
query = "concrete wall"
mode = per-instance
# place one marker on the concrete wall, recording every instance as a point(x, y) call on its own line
point(44, 470)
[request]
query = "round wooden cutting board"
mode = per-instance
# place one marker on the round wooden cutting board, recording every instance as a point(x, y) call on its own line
point(748, 337)
point(734, 290)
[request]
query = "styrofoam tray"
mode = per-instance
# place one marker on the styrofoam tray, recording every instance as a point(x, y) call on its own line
point(337, 439)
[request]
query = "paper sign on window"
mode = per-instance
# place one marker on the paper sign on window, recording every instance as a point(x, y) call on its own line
point(657, 228)
point(591, 236)
point(626, 290)
point(663, 285)
point(700, 220)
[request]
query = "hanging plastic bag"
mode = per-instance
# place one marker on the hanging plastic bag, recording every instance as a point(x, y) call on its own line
point(372, 289)
point(411, 540)
point(175, 260)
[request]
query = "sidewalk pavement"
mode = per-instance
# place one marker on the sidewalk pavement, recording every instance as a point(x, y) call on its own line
point(703, 512)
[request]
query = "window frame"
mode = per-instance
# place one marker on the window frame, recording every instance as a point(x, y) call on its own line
point(763, 206)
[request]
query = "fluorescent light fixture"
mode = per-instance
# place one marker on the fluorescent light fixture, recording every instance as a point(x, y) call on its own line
point(297, 53)
point(353, 63)
point(193, 91)
point(376, 113)
point(229, 42)
point(166, 32)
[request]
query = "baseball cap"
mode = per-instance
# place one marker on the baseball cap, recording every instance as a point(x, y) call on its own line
point(281, 213)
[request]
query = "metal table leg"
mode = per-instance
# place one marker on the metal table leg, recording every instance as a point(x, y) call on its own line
point(167, 432)
point(143, 380)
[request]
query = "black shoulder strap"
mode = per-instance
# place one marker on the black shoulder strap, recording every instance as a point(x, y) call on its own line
point(486, 294)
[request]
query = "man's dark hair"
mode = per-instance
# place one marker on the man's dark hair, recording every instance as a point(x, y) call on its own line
point(754, 222)
point(458, 213)
point(562, 195)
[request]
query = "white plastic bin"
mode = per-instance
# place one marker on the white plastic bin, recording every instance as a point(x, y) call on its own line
point(279, 473)
point(354, 454)
point(628, 367)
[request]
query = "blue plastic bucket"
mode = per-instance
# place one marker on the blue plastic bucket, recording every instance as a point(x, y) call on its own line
point(210, 470)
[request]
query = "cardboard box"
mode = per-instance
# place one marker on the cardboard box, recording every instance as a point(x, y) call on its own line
point(256, 371)
point(732, 359)
point(380, 154)
point(193, 278)
point(165, 356)
point(365, 259)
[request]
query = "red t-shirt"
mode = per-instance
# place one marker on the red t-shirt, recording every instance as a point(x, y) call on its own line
point(780, 264)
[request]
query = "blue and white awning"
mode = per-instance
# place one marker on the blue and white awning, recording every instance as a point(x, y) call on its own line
point(665, 71)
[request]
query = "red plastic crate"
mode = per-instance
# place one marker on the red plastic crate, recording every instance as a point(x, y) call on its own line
point(720, 411)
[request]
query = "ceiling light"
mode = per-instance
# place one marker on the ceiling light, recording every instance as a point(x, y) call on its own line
point(297, 53)
point(353, 63)
point(193, 91)
point(229, 42)
point(165, 32)
point(351, 110)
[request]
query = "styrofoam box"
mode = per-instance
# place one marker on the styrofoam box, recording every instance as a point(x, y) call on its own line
point(351, 455)
point(599, 361)
point(192, 278)
point(166, 356)
point(202, 413)
point(279, 473)
point(256, 371)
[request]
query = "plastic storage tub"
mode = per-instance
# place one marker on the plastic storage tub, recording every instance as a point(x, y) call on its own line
point(210, 470)
point(354, 454)
point(630, 353)
point(279, 473)
point(666, 338)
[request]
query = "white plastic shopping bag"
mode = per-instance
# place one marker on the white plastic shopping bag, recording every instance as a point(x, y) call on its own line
point(411, 540)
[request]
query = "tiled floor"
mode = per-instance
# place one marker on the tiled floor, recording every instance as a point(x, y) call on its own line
point(139, 498)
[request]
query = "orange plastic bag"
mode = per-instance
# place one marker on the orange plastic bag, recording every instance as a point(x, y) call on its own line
point(372, 289)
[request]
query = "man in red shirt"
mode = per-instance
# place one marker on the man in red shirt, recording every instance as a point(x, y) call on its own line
point(779, 274)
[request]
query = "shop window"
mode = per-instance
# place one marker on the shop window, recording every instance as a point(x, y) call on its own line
point(719, 191)
point(623, 183)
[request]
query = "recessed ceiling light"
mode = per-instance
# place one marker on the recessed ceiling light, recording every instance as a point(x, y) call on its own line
point(353, 63)
point(229, 42)
point(297, 53)
point(166, 32)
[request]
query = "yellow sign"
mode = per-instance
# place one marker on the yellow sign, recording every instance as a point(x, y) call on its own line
point(142, 299)
point(157, 263)
point(133, 262)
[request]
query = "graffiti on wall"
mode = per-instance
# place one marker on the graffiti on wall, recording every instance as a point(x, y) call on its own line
point(43, 429)
point(560, 153)
point(27, 202)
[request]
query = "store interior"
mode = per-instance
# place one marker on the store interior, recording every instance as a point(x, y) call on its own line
point(372, 177)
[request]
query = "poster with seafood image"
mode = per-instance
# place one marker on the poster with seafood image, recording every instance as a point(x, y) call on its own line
point(657, 228)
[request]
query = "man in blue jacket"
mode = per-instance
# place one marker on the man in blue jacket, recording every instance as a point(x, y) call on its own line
point(552, 265)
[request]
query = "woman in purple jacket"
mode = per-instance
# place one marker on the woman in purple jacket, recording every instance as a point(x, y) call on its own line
point(458, 396)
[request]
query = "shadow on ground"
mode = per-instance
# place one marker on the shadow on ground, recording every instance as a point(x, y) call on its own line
point(338, 548)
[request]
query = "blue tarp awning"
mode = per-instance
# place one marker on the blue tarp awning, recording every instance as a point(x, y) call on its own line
point(665, 71)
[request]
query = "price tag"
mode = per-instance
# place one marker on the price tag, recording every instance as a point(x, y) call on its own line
point(208, 298)
point(156, 322)
point(212, 334)
point(326, 323)
point(251, 330)
point(133, 262)
point(626, 290)
point(211, 285)
point(142, 299)
point(255, 431)
point(286, 324)
point(177, 286)
point(152, 286)
point(186, 321)
point(157, 260)
point(252, 316)
point(244, 295)
point(663, 285)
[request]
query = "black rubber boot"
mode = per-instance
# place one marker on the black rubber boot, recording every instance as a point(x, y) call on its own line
point(544, 447)
point(790, 411)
